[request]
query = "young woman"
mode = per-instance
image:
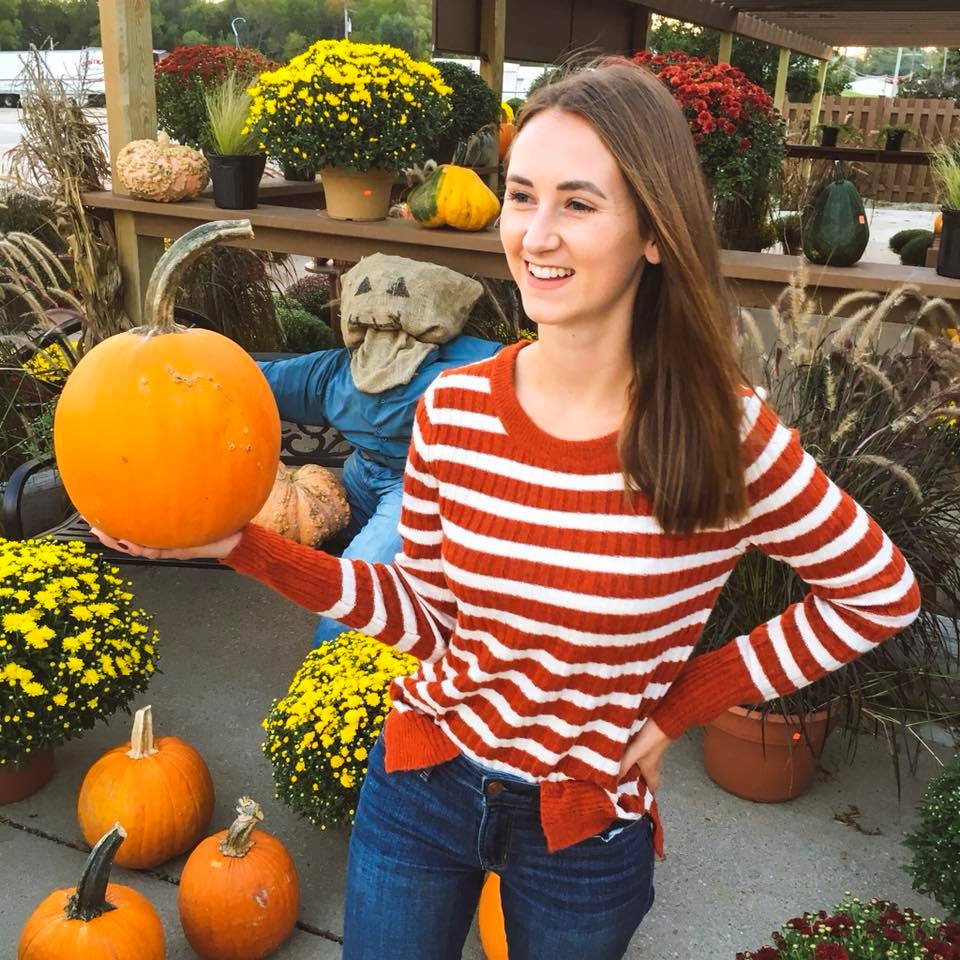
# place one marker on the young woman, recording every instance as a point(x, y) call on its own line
point(571, 511)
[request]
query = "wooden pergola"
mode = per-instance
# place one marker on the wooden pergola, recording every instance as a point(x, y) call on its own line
point(538, 30)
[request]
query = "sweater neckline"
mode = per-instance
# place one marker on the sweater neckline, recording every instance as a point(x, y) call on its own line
point(596, 455)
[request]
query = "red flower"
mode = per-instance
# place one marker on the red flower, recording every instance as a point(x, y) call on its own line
point(765, 953)
point(745, 143)
point(893, 934)
point(938, 950)
point(830, 951)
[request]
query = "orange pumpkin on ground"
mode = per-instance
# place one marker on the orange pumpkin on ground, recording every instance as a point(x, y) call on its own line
point(96, 920)
point(507, 132)
point(160, 789)
point(307, 504)
point(166, 436)
point(239, 891)
point(493, 934)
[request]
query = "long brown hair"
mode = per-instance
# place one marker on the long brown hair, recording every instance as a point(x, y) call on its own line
point(680, 442)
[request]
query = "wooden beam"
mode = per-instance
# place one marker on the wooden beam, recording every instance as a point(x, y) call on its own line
point(818, 96)
point(725, 51)
point(127, 40)
point(493, 33)
point(780, 89)
point(641, 29)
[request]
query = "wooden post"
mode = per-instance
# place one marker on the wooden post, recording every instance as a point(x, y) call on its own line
point(641, 30)
point(780, 89)
point(493, 32)
point(818, 97)
point(127, 40)
point(726, 47)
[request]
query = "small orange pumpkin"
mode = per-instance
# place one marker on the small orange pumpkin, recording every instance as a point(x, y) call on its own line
point(938, 223)
point(95, 918)
point(161, 790)
point(507, 132)
point(167, 436)
point(493, 934)
point(307, 504)
point(239, 893)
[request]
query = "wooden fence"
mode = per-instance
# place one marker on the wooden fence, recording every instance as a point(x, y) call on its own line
point(930, 121)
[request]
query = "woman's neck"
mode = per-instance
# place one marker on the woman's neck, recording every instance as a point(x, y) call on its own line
point(573, 385)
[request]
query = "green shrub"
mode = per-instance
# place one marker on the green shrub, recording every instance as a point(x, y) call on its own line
point(303, 332)
point(548, 76)
point(935, 841)
point(474, 106)
point(899, 240)
point(515, 104)
point(313, 293)
point(914, 251)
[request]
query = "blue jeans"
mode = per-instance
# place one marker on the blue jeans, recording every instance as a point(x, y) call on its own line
point(423, 840)
point(374, 493)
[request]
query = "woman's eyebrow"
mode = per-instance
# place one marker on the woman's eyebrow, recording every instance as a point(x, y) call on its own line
point(567, 185)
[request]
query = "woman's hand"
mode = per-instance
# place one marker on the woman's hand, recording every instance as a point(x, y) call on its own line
point(645, 751)
point(216, 550)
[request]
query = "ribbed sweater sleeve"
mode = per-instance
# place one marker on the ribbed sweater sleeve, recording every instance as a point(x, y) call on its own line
point(861, 589)
point(406, 603)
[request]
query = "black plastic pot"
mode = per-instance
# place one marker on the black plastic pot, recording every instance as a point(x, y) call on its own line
point(828, 136)
point(299, 173)
point(948, 262)
point(895, 139)
point(235, 179)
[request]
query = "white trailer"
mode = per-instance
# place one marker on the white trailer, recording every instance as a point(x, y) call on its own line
point(76, 68)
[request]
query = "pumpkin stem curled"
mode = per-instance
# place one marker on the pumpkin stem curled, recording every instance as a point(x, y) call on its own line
point(141, 737)
point(237, 842)
point(158, 305)
point(90, 899)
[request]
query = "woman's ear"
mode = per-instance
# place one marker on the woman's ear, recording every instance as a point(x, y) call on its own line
point(651, 252)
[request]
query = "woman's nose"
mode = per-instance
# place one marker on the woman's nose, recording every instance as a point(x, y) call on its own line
point(541, 233)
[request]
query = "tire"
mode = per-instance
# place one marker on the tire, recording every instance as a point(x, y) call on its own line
point(11, 100)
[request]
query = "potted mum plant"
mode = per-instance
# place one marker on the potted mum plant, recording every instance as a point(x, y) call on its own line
point(881, 422)
point(857, 930)
point(945, 167)
point(891, 136)
point(319, 735)
point(74, 649)
point(359, 113)
point(236, 162)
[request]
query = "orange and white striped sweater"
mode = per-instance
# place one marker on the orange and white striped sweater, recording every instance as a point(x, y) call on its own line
point(551, 619)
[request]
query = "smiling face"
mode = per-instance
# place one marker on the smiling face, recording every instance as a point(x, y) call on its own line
point(569, 225)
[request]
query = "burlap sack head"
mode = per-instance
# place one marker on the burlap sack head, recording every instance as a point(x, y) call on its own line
point(395, 311)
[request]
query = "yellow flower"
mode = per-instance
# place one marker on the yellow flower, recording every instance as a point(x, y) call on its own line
point(74, 664)
point(19, 622)
point(60, 699)
point(33, 689)
point(90, 676)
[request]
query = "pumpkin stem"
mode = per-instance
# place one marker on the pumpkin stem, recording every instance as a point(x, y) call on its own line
point(141, 737)
point(158, 305)
point(90, 899)
point(237, 842)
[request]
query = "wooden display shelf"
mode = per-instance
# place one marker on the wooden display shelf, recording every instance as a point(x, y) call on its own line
point(815, 151)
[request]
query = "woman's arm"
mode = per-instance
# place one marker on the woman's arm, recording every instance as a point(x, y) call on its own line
point(861, 590)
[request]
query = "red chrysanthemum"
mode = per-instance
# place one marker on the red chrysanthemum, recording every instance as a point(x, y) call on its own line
point(830, 951)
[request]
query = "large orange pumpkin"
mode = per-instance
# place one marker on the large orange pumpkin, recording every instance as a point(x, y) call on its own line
point(96, 919)
point(239, 891)
point(507, 132)
point(493, 935)
point(165, 436)
point(161, 790)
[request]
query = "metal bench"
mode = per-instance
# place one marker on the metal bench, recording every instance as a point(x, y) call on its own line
point(300, 444)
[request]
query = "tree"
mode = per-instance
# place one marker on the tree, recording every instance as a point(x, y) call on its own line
point(295, 43)
point(396, 30)
point(9, 24)
point(193, 37)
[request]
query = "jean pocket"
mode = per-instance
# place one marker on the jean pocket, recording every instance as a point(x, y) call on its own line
point(616, 829)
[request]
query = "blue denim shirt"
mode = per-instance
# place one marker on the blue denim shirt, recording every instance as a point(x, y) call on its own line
point(318, 389)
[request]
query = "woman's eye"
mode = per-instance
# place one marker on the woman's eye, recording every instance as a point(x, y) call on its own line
point(581, 207)
point(517, 196)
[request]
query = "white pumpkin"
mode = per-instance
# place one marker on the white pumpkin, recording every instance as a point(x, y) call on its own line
point(307, 504)
point(160, 170)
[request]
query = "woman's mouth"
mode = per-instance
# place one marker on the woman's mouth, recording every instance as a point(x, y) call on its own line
point(547, 276)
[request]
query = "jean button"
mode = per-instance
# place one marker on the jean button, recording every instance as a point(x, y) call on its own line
point(494, 788)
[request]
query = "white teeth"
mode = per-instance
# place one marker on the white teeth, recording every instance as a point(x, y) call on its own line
point(548, 273)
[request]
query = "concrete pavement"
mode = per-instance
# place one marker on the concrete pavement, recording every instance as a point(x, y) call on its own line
point(734, 870)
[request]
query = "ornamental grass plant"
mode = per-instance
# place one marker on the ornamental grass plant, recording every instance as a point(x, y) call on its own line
point(945, 168)
point(857, 930)
point(345, 104)
point(318, 736)
point(228, 104)
point(74, 648)
point(882, 424)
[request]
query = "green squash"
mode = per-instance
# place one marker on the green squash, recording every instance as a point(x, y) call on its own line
point(836, 232)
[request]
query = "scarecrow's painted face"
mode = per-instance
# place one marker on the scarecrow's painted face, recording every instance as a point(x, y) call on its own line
point(383, 311)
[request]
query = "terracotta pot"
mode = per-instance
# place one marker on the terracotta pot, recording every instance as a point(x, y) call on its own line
point(17, 783)
point(354, 195)
point(769, 765)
